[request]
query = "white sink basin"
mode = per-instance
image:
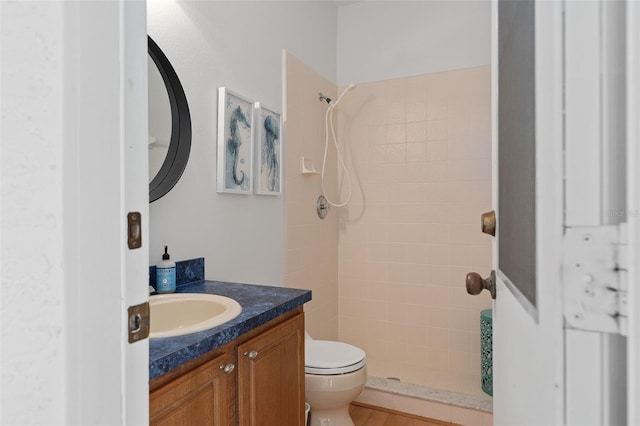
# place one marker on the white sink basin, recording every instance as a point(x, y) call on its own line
point(183, 313)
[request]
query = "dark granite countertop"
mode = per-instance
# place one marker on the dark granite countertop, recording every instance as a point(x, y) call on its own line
point(260, 304)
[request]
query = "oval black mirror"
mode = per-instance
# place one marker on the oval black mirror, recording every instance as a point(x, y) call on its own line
point(180, 140)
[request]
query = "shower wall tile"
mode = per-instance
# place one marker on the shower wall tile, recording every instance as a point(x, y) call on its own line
point(416, 151)
point(311, 244)
point(416, 110)
point(419, 153)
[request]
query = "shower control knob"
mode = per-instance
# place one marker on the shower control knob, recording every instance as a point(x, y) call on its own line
point(322, 207)
point(475, 284)
point(251, 354)
point(228, 368)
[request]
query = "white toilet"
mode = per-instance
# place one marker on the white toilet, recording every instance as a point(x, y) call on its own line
point(335, 374)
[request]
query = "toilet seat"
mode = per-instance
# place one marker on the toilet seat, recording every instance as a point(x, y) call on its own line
point(325, 357)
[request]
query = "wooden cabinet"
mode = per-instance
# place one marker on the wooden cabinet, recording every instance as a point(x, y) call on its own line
point(203, 396)
point(257, 379)
point(271, 376)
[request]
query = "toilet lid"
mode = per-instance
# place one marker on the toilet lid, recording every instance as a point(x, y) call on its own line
point(328, 357)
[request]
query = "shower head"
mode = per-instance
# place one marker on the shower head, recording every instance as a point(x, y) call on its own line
point(324, 98)
point(344, 92)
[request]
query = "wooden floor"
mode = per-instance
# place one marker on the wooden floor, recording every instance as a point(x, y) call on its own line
point(370, 416)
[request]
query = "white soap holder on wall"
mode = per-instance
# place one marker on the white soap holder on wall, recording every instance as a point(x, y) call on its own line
point(307, 167)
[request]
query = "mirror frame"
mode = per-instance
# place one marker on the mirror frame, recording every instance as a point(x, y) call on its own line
point(180, 144)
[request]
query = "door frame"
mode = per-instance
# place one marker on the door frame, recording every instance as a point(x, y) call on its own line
point(633, 204)
point(105, 177)
point(135, 188)
point(597, 364)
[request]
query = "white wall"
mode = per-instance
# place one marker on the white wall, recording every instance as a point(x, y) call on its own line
point(33, 289)
point(380, 40)
point(237, 45)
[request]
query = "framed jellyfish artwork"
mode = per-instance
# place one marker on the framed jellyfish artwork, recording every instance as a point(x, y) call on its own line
point(235, 143)
point(268, 175)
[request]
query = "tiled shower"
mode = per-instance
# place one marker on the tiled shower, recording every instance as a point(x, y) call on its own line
point(421, 150)
point(387, 272)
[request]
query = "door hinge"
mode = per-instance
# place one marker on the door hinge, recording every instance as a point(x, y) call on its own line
point(595, 278)
point(139, 322)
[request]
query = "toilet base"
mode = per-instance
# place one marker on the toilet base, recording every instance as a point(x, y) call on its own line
point(330, 397)
point(331, 417)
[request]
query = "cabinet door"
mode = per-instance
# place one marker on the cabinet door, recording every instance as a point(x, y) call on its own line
point(203, 396)
point(271, 376)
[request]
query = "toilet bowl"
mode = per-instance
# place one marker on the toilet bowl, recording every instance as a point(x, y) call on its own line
point(335, 374)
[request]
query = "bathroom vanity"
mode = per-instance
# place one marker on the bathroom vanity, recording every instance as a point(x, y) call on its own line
point(246, 371)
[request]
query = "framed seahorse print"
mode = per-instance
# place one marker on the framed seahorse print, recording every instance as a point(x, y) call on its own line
point(235, 143)
point(268, 156)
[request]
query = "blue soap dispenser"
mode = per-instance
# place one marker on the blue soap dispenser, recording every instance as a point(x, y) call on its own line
point(166, 274)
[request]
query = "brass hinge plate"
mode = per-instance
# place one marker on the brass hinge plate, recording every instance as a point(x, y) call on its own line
point(594, 275)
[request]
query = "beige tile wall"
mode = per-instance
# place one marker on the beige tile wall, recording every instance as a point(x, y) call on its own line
point(311, 244)
point(419, 149)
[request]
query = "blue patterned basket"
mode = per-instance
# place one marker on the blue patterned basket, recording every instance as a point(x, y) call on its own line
point(486, 350)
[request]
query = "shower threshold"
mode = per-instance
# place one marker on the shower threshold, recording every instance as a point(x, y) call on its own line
point(394, 386)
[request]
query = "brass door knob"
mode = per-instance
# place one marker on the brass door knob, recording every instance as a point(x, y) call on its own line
point(489, 223)
point(475, 283)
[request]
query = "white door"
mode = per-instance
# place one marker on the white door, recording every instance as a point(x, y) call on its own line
point(560, 195)
point(528, 341)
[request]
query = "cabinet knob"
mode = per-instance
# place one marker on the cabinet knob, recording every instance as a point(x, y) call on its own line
point(228, 368)
point(251, 354)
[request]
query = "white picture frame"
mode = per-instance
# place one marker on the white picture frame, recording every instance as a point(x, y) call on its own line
point(268, 151)
point(235, 143)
